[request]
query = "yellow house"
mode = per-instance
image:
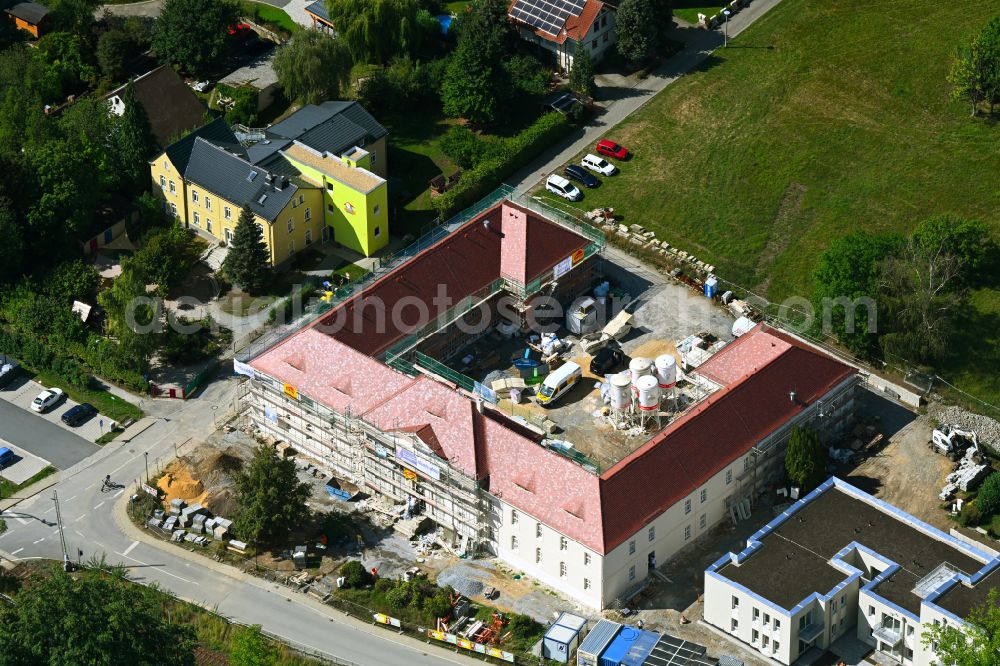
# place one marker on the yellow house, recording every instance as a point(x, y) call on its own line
point(299, 192)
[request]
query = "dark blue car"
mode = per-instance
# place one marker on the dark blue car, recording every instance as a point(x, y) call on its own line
point(581, 175)
point(6, 456)
point(74, 416)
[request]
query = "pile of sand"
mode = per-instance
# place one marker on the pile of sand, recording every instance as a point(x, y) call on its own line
point(178, 483)
point(206, 478)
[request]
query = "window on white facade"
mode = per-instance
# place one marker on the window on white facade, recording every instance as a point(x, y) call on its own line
point(767, 619)
point(687, 532)
point(703, 521)
point(586, 583)
point(777, 624)
point(687, 506)
point(194, 196)
point(586, 558)
point(734, 624)
point(774, 647)
point(227, 212)
point(754, 636)
point(563, 543)
point(704, 495)
point(538, 530)
point(538, 556)
point(652, 533)
point(631, 572)
point(736, 602)
point(765, 641)
point(513, 542)
point(843, 599)
point(562, 569)
point(871, 611)
point(513, 517)
point(729, 476)
point(756, 614)
point(631, 547)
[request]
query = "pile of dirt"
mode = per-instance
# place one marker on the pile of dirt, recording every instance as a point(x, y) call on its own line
point(178, 483)
point(206, 477)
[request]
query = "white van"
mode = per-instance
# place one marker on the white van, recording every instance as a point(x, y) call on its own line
point(599, 164)
point(559, 382)
point(563, 188)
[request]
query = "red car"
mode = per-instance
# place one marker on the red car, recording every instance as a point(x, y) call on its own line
point(611, 149)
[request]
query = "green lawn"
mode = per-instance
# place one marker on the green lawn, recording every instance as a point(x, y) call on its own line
point(269, 14)
point(688, 10)
point(109, 405)
point(820, 119)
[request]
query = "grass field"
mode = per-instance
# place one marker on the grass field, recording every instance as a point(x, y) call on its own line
point(820, 119)
point(688, 10)
point(7, 489)
point(269, 14)
point(106, 402)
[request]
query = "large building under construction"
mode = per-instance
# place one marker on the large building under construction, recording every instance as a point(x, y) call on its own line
point(374, 391)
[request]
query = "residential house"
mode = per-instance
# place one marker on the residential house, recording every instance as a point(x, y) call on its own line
point(30, 16)
point(563, 26)
point(171, 106)
point(259, 75)
point(317, 176)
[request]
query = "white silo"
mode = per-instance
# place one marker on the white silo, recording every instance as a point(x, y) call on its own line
point(649, 393)
point(666, 371)
point(639, 367)
point(619, 391)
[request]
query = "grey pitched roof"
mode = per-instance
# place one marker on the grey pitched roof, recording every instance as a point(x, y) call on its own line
point(170, 105)
point(32, 12)
point(330, 127)
point(231, 177)
point(319, 9)
point(216, 132)
point(262, 150)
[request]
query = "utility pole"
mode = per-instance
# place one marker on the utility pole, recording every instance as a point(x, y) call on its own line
point(726, 13)
point(146, 454)
point(67, 565)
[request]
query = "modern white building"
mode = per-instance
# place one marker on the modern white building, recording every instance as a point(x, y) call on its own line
point(405, 426)
point(839, 569)
point(563, 26)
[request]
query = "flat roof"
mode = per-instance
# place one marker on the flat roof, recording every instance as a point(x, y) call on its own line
point(794, 560)
point(332, 166)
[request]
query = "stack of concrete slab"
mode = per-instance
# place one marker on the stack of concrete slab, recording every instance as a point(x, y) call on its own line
point(154, 523)
point(222, 528)
point(176, 506)
point(238, 546)
point(188, 514)
point(198, 523)
point(170, 523)
point(178, 535)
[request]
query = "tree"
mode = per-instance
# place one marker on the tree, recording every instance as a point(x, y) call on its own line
point(581, 75)
point(251, 648)
point(75, 16)
point(272, 500)
point(115, 49)
point(975, 644)
point(67, 60)
point(355, 575)
point(849, 270)
point(975, 74)
point(476, 77)
point(638, 32)
point(12, 249)
point(805, 461)
point(94, 619)
point(248, 262)
point(71, 281)
point(193, 33)
point(313, 66)
point(988, 497)
point(131, 140)
point(918, 290)
point(969, 240)
point(130, 316)
point(66, 194)
point(376, 30)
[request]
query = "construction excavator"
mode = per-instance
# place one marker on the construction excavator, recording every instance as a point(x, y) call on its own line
point(952, 441)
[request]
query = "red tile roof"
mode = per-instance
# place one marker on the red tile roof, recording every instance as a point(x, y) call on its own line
point(755, 351)
point(575, 28)
point(714, 433)
point(466, 261)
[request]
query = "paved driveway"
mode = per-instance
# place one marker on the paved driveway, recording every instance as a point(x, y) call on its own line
point(20, 393)
point(44, 435)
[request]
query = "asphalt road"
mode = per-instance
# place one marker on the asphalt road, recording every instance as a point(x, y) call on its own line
point(46, 440)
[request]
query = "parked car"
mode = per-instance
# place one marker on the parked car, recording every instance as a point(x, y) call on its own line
point(611, 149)
point(46, 399)
point(6, 456)
point(563, 188)
point(608, 359)
point(9, 368)
point(78, 414)
point(579, 174)
point(599, 164)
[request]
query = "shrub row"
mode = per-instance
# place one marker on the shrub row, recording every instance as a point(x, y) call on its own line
point(503, 157)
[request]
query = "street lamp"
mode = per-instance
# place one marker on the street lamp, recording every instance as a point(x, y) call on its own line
point(726, 13)
point(146, 454)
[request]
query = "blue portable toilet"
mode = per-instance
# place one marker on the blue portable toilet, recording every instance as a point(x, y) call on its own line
point(711, 286)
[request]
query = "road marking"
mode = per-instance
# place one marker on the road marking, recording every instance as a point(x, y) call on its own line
point(130, 548)
point(21, 520)
point(79, 518)
point(39, 541)
point(49, 510)
point(160, 569)
point(71, 498)
point(17, 551)
point(79, 534)
point(99, 506)
point(119, 493)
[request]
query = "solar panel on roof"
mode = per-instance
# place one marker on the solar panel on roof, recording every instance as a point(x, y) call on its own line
point(673, 651)
point(546, 15)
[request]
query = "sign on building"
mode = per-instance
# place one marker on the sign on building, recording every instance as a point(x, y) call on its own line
point(291, 392)
point(410, 459)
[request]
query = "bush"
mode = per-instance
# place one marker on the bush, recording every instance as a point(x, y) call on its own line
point(529, 75)
point(463, 146)
point(399, 598)
point(244, 108)
point(355, 575)
point(384, 585)
point(505, 156)
point(988, 498)
point(402, 85)
point(971, 515)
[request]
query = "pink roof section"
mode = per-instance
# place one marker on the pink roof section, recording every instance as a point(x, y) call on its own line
point(744, 356)
point(329, 372)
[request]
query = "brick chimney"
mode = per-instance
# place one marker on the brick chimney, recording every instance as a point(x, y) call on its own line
point(514, 248)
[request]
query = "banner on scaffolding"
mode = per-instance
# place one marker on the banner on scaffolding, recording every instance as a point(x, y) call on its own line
point(471, 645)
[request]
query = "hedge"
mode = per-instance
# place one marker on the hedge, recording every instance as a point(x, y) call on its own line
point(506, 156)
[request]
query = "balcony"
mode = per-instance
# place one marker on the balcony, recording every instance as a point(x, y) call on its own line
point(888, 635)
point(810, 632)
